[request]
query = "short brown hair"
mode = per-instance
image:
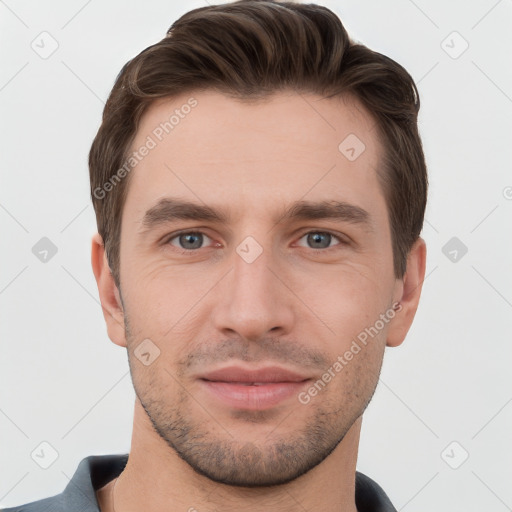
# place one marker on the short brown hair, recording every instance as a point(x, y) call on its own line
point(249, 49)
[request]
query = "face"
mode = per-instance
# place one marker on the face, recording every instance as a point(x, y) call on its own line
point(285, 262)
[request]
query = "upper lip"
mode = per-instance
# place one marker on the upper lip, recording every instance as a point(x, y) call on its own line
point(266, 374)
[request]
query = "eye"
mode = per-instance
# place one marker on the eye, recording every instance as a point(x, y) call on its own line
point(321, 239)
point(188, 240)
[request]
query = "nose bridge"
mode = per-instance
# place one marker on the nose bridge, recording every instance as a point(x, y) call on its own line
point(252, 300)
point(251, 272)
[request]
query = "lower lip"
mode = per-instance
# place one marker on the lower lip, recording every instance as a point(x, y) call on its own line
point(253, 397)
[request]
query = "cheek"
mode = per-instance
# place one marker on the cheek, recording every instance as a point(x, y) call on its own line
point(350, 303)
point(167, 305)
point(348, 297)
point(155, 281)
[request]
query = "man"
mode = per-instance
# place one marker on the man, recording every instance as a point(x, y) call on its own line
point(259, 185)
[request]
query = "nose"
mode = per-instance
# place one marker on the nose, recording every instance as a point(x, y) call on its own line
point(254, 299)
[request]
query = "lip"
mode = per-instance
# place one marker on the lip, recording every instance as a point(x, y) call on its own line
point(251, 389)
point(266, 374)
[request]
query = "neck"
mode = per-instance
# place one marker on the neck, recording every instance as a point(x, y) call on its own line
point(156, 479)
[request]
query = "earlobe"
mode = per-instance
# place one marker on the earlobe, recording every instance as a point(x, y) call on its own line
point(110, 298)
point(410, 292)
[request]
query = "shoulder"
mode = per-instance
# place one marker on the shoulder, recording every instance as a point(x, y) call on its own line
point(51, 504)
point(92, 473)
point(370, 497)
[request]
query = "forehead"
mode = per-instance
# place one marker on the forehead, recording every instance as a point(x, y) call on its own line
point(213, 149)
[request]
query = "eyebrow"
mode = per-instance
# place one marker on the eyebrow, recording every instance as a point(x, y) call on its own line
point(170, 209)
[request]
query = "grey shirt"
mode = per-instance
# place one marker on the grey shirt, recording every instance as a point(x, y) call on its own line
point(95, 471)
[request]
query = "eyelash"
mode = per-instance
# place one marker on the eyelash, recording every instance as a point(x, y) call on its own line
point(195, 232)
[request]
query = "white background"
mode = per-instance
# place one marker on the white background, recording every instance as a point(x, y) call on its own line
point(61, 379)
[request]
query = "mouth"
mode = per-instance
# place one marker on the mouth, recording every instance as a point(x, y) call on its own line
point(243, 383)
point(250, 389)
point(264, 375)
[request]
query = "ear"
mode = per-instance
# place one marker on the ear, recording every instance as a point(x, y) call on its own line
point(408, 293)
point(110, 298)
